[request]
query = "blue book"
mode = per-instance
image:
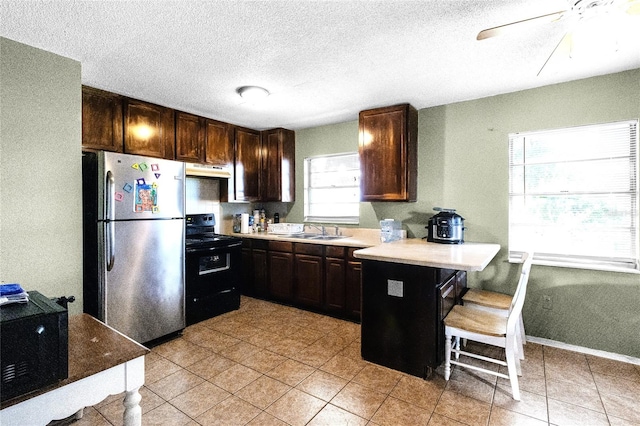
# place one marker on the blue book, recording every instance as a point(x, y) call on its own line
point(10, 289)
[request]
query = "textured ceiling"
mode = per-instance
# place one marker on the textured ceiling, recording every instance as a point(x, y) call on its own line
point(322, 61)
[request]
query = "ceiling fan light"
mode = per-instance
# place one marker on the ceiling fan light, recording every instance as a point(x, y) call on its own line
point(595, 38)
point(252, 93)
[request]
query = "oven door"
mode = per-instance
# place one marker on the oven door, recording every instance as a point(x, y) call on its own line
point(212, 283)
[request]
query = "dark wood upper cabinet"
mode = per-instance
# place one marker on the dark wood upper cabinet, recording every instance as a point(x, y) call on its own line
point(202, 140)
point(148, 129)
point(101, 120)
point(189, 137)
point(388, 149)
point(278, 165)
point(247, 165)
point(218, 149)
point(263, 162)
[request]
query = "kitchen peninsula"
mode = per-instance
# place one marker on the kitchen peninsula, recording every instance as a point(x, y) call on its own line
point(400, 291)
point(408, 287)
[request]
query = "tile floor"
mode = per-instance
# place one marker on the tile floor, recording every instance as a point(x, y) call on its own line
point(267, 364)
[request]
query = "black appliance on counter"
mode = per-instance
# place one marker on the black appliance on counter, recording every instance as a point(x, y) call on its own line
point(35, 345)
point(213, 270)
point(446, 227)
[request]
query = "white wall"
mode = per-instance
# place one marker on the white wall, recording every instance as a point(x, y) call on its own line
point(40, 171)
point(203, 196)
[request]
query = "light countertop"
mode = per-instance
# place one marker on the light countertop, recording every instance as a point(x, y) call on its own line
point(414, 251)
point(411, 251)
point(353, 237)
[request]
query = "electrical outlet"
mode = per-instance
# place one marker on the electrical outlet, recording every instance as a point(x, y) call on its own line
point(395, 288)
point(546, 302)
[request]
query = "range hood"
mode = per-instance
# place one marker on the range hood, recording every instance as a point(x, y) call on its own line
point(205, 170)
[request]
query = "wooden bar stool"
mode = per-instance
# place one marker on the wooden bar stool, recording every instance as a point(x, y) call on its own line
point(482, 326)
point(497, 303)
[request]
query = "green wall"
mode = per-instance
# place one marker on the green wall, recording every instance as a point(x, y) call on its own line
point(463, 164)
point(462, 160)
point(40, 171)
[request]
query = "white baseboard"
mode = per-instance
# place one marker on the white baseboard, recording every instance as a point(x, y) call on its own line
point(583, 350)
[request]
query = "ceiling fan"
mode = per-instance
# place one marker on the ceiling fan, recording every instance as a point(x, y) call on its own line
point(594, 12)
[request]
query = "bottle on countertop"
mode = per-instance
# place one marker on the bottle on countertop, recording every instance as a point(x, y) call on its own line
point(256, 220)
point(276, 218)
point(263, 220)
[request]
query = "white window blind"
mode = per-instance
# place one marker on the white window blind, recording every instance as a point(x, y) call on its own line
point(573, 196)
point(332, 188)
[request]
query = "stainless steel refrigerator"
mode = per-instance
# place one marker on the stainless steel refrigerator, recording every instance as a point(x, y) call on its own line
point(133, 212)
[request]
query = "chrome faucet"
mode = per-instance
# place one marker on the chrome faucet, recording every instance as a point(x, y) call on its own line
point(318, 227)
point(337, 229)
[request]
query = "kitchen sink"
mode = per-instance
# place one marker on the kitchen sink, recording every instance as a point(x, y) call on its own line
point(314, 236)
point(301, 236)
point(328, 237)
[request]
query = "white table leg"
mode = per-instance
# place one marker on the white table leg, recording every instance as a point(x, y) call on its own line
point(132, 412)
point(79, 414)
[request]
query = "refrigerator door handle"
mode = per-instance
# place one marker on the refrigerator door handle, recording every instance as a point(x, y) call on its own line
point(110, 209)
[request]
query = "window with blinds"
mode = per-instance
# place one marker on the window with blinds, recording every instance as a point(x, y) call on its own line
point(332, 188)
point(573, 196)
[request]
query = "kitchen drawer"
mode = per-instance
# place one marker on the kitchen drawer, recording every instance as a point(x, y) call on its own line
point(281, 246)
point(443, 275)
point(258, 244)
point(447, 297)
point(350, 251)
point(313, 249)
point(334, 251)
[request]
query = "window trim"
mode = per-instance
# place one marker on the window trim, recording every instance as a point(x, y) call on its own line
point(601, 263)
point(341, 220)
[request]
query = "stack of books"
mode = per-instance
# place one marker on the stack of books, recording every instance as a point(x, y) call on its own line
point(12, 293)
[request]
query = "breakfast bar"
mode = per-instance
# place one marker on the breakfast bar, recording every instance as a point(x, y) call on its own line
point(408, 287)
point(414, 251)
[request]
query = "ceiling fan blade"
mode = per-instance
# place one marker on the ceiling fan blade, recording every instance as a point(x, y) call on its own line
point(516, 26)
point(562, 49)
point(633, 7)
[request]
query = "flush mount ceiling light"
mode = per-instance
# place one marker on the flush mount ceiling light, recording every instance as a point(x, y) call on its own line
point(252, 93)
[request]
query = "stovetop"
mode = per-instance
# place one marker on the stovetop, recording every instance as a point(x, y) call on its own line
point(200, 233)
point(209, 237)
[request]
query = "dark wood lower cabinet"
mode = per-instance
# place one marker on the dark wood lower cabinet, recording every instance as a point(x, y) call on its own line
point(254, 267)
point(318, 277)
point(308, 285)
point(280, 271)
point(309, 279)
point(402, 311)
point(259, 258)
point(335, 280)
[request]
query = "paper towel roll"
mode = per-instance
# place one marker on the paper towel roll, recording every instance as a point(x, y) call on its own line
point(244, 224)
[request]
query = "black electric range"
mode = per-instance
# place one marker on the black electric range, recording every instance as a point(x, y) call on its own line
point(200, 233)
point(213, 269)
